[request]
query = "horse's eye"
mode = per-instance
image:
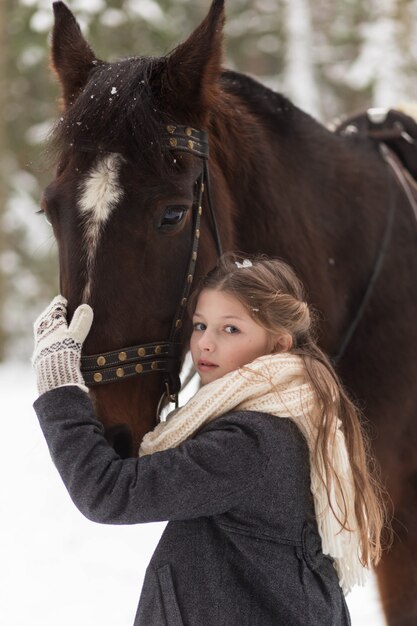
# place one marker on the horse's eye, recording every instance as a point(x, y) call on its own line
point(43, 209)
point(46, 218)
point(173, 215)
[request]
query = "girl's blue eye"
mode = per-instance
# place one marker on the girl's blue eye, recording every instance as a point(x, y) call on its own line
point(199, 326)
point(231, 329)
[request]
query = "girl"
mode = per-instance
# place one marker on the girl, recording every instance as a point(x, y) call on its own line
point(262, 474)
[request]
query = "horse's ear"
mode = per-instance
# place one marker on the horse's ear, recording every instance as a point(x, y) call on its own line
point(193, 67)
point(71, 56)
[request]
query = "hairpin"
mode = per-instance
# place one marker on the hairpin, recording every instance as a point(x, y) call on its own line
point(245, 263)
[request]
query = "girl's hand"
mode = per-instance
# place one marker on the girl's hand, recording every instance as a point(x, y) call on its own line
point(57, 354)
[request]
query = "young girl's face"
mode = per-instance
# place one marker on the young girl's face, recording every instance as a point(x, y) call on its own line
point(225, 336)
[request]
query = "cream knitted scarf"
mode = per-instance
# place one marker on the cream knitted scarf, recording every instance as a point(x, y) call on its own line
point(277, 384)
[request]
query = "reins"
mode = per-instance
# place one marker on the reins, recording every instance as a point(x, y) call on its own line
point(381, 135)
point(163, 356)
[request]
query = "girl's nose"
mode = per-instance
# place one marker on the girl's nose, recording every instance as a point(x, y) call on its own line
point(206, 342)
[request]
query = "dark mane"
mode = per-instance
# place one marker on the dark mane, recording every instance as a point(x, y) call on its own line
point(125, 105)
point(255, 93)
point(119, 110)
point(274, 109)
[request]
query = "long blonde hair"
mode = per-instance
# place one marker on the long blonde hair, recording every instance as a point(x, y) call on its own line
point(275, 299)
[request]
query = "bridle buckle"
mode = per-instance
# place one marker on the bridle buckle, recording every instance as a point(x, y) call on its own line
point(171, 397)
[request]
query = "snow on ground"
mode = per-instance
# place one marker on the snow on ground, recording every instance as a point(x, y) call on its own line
point(57, 567)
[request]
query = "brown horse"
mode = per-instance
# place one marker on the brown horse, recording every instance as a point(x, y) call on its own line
point(121, 209)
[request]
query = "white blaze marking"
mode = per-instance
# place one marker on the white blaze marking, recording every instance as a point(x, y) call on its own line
point(100, 194)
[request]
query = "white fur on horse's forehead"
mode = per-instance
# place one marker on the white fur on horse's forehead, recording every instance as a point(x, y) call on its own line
point(100, 193)
point(100, 190)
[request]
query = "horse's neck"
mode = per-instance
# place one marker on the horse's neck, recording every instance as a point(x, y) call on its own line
point(298, 194)
point(273, 167)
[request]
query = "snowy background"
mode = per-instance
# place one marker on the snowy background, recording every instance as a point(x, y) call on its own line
point(57, 567)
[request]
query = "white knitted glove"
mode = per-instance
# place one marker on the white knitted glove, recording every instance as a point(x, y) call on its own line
point(57, 354)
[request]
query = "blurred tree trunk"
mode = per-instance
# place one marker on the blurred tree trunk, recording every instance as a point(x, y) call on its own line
point(3, 167)
point(300, 78)
point(387, 34)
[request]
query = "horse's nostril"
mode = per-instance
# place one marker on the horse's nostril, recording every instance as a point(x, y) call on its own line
point(120, 438)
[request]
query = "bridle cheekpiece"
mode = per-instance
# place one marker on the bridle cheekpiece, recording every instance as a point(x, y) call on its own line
point(162, 356)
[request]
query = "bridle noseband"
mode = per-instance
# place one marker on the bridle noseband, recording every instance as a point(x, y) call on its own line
point(162, 356)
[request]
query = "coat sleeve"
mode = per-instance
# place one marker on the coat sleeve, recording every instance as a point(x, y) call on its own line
point(206, 475)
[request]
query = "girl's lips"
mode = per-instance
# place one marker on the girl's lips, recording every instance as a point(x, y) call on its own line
point(205, 365)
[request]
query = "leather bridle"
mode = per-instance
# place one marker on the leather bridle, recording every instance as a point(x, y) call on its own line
point(162, 356)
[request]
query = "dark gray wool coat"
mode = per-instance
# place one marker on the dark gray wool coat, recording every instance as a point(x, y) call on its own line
point(241, 547)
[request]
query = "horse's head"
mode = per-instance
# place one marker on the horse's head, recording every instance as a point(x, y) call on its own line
point(121, 201)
